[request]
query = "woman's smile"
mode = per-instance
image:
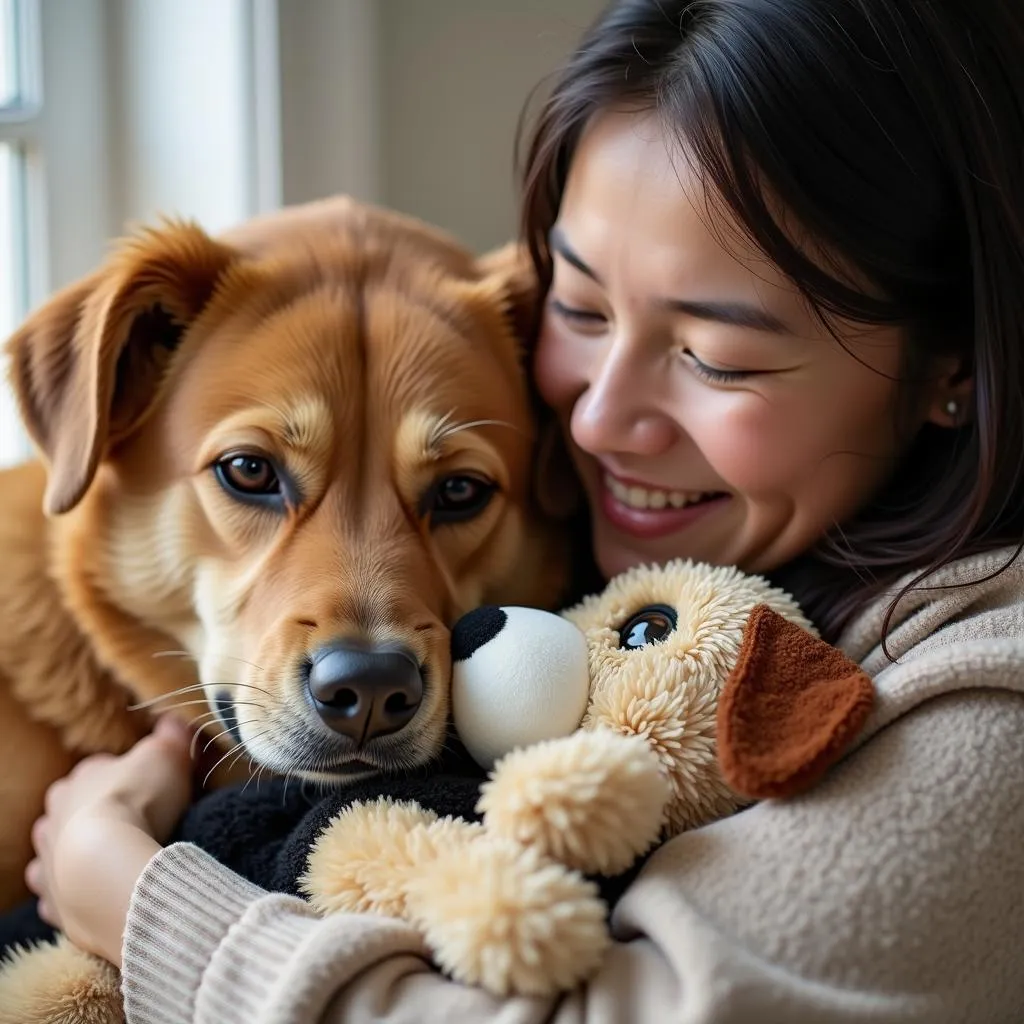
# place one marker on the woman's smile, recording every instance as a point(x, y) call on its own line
point(648, 512)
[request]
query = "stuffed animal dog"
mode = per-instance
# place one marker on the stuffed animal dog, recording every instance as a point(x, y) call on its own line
point(695, 689)
point(289, 458)
point(700, 689)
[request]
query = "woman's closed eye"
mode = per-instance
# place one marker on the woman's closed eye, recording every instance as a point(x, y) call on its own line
point(577, 314)
point(716, 374)
point(583, 318)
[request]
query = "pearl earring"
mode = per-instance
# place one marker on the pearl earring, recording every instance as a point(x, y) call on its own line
point(953, 408)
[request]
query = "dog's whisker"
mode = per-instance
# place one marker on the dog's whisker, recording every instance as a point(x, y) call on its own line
point(226, 732)
point(251, 664)
point(175, 654)
point(192, 689)
point(170, 707)
point(242, 748)
point(445, 428)
point(195, 741)
point(220, 760)
point(252, 775)
point(203, 701)
point(247, 686)
point(165, 696)
point(213, 739)
point(196, 719)
point(192, 657)
point(241, 752)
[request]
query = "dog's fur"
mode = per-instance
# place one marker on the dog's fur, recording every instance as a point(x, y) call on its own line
point(368, 357)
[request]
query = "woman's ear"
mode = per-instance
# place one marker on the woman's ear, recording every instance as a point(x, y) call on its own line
point(951, 397)
point(87, 365)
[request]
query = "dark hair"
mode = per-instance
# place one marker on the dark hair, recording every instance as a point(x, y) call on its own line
point(894, 131)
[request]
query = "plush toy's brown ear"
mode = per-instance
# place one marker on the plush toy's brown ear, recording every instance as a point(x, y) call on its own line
point(789, 708)
point(86, 366)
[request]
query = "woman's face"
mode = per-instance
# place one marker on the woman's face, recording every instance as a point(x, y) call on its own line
point(710, 413)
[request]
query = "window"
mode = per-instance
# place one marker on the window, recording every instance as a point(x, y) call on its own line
point(12, 441)
point(19, 108)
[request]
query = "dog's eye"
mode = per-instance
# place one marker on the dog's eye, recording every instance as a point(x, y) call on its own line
point(650, 625)
point(455, 498)
point(248, 476)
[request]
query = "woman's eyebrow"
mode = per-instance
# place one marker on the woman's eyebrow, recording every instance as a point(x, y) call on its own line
point(736, 314)
point(558, 244)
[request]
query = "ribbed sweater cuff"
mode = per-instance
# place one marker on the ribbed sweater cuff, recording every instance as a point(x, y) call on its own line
point(183, 905)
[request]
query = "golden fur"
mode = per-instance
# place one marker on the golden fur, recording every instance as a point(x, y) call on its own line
point(363, 353)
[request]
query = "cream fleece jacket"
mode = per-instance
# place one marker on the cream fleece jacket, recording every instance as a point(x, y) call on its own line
point(894, 891)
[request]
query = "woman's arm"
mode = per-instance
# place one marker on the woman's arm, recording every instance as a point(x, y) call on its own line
point(889, 893)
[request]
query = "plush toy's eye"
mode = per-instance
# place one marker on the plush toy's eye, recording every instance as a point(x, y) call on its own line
point(650, 625)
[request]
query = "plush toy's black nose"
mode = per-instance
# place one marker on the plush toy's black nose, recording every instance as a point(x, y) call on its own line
point(363, 692)
point(476, 628)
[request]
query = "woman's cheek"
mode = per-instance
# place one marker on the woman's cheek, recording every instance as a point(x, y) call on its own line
point(749, 446)
point(558, 367)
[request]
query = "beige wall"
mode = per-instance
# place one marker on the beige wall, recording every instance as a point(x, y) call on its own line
point(455, 75)
point(414, 103)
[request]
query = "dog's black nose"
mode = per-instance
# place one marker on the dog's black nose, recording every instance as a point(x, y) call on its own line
point(363, 692)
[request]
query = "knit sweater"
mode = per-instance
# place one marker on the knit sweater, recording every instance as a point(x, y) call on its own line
point(890, 892)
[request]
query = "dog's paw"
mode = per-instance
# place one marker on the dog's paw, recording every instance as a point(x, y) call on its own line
point(56, 983)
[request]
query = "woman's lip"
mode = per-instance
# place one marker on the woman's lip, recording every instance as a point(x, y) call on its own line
point(649, 523)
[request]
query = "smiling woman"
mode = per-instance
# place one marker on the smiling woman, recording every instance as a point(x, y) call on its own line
point(710, 411)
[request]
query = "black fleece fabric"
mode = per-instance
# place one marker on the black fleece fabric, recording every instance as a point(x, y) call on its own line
point(265, 832)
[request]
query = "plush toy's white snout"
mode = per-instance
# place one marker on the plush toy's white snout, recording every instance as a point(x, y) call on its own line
point(519, 675)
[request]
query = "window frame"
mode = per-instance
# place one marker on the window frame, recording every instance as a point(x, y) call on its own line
point(19, 137)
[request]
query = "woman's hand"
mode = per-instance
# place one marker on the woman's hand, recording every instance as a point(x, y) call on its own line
point(102, 825)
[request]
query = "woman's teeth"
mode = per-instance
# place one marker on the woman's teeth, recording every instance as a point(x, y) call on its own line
point(648, 498)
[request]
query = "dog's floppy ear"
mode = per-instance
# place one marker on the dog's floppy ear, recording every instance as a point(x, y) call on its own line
point(86, 366)
point(512, 272)
point(509, 271)
point(789, 709)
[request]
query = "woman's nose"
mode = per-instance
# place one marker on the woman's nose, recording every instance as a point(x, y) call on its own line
point(618, 411)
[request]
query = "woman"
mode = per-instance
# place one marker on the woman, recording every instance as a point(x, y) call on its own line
point(783, 249)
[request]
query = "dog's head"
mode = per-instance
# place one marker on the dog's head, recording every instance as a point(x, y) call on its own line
point(301, 451)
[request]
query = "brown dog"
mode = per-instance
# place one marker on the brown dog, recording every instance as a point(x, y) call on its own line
point(293, 455)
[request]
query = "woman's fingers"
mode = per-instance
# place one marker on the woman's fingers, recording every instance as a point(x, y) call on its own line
point(174, 730)
point(44, 910)
point(34, 875)
point(40, 834)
